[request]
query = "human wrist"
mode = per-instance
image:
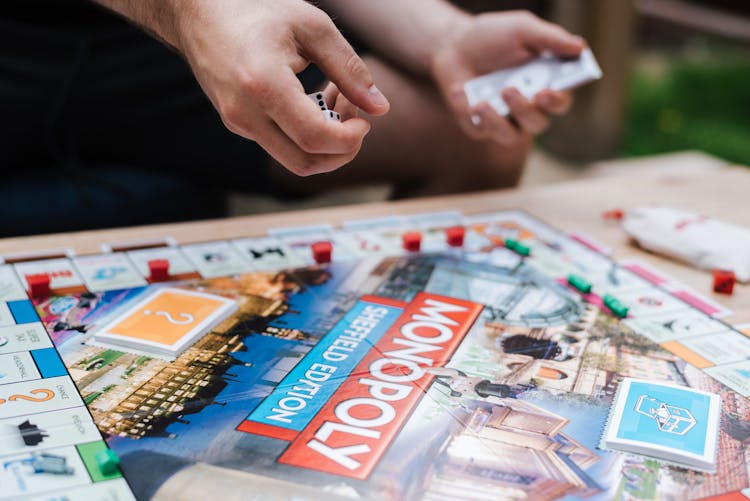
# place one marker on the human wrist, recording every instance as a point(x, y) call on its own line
point(452, 29)
point(176, 21)
point(157, 17)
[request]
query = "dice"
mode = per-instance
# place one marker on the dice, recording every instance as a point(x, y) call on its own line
point(318, 99)
point(724, 281)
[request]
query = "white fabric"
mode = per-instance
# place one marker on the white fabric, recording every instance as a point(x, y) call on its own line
point(703, 242)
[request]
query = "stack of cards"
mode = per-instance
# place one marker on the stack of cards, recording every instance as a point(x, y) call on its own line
point(663, 421)
point(545, 72)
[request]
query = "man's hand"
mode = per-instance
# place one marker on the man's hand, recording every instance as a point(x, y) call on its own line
point(246, 54)
point(488, 42)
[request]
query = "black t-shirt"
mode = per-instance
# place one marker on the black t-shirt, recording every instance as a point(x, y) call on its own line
point(59, 14)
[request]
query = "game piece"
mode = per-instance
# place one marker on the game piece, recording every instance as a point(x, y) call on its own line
point(615, 306)
point(331, 115)
point(39, 285)
point(322, 252)
point(455, 236)
point(579, 283)
point(614, 214)
point(158, 270)
point(317, 98)
point(545, 72)
point(412, 241)
point(107, 461)
point(724, 281)
point(517, 247)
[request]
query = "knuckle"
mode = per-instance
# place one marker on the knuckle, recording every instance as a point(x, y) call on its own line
point(357, 68)
point(318, 24)
point(233, 118)
point(251, 83)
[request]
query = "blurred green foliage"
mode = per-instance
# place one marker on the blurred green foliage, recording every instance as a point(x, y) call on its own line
point(688, 105)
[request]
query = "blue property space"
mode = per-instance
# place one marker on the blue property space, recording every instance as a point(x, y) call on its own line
point(23, 311)
point(48, 362)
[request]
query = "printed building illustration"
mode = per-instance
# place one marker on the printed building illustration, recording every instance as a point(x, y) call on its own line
point(153, 393)
point(510, 451)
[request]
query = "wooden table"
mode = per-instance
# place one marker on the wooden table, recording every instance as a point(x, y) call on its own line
point(573, 205)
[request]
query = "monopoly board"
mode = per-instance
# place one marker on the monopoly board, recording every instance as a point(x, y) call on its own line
point(467, 372)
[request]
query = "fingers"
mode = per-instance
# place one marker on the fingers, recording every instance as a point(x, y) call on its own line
point(495, 127)
point(468, 119)
point(285, 103)
point(296, 160)
point(290, 127)
point(553, 102)
point(529, 117)
point(526, 117)
point(324, 45)
point(539, 35)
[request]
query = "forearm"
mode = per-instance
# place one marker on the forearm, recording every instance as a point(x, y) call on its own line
point(158, 17)
point(405, 31)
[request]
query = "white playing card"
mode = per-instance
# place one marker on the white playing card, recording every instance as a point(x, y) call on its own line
point(544, 72)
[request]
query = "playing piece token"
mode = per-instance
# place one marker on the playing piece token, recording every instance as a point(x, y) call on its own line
point(579, 283)
point(455, 236)
point(412, 241)
point(614, 214)
point(615, 306)
point(107, 461)
point(158, 270)
point(322, 252)
point(724, 281)
point(517, 247)
point(39, 285)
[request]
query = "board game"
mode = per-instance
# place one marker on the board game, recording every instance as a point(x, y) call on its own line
point(462, 370)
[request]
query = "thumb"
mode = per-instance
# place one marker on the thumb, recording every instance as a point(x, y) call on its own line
point(539, 35)
point(329, 50)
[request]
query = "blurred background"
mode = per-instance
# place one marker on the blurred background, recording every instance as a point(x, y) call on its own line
point(676, 79)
